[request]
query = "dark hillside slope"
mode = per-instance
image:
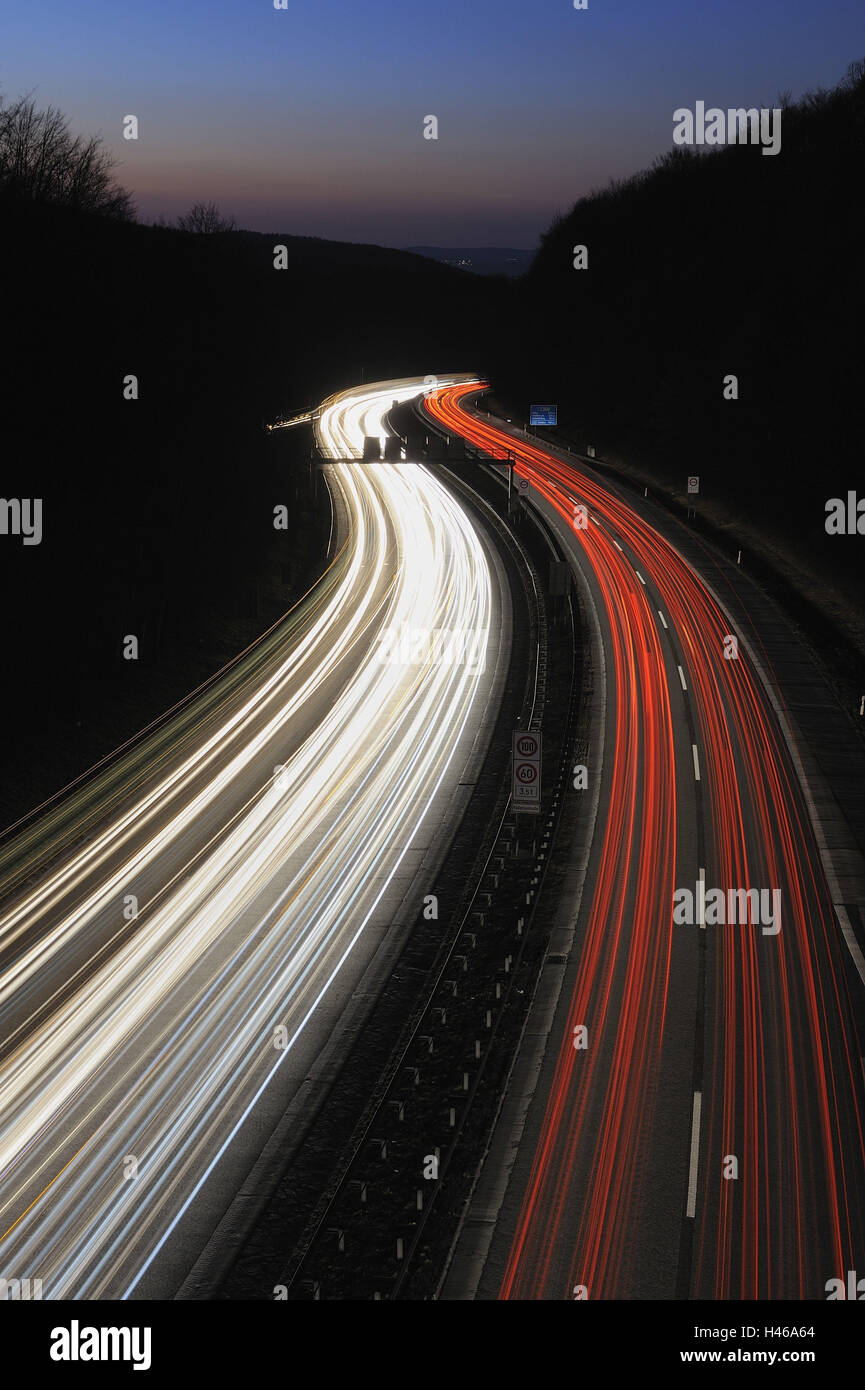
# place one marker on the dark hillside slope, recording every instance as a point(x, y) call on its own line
point(157, 513)
point(716, 263)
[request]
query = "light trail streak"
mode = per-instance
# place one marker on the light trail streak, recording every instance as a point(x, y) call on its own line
point(153, 1038)
point(782, 1088)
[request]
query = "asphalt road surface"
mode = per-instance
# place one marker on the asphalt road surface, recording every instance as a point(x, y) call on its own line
point(180, 935)
point(703, 1137)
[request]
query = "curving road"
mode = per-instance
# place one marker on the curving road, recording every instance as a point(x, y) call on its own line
point(708, 1141)
point(171, 932)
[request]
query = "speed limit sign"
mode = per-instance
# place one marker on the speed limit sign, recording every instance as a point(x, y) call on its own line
point(526, 787)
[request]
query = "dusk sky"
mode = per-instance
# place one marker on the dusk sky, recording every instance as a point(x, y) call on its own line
point(309, 121)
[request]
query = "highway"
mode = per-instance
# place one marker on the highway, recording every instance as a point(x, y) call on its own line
point(179, 935)
point(705, 1137)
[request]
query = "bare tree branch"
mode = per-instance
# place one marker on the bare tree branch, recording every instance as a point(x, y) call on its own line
point(205, 219)
point(40, 159)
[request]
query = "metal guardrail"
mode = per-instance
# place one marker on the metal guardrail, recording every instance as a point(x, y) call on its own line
point(534, 722)
point(397, 1061)
point(373, 1108)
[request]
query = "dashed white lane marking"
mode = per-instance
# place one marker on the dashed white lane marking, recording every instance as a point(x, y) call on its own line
point(695, 1154)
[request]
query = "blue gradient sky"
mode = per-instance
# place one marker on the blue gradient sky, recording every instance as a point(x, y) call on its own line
point(309, 120)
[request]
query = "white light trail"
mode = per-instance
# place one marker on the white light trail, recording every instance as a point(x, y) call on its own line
point(153, 1038)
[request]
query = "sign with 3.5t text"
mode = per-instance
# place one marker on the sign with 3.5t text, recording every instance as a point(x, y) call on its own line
point(526, 791)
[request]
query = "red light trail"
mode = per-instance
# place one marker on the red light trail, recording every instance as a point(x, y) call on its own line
point(781, 1082)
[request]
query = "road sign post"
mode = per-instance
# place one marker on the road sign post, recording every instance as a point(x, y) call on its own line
point(693, 487)
point(526, 785)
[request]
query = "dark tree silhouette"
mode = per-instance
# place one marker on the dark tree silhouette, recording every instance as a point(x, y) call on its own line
point(715, 261)
point(42, 160)
point(205, 218)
